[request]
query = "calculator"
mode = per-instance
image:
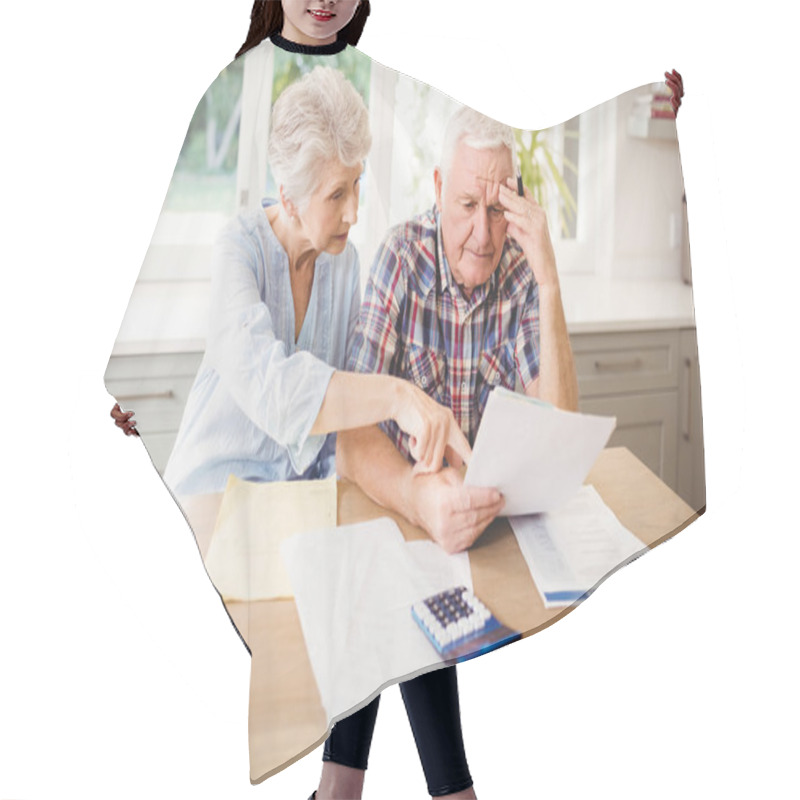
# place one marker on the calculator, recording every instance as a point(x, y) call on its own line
point(459, 625)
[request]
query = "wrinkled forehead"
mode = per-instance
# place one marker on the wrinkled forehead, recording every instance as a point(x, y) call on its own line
point(480, 172)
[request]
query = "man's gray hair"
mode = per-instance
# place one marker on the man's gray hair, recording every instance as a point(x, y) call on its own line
point(476, 131)
point(317, 119)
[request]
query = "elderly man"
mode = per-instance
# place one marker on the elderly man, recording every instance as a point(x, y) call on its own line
point(461, 299)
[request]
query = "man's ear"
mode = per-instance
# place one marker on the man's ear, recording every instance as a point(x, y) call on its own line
point(438, 184)
point(288, 206)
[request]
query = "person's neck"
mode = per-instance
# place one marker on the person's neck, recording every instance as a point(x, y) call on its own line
point(302, 256)
point(306, 45)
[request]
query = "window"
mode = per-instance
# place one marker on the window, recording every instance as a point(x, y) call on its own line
point(205, 175)
point(561, 165)
point(202, 195)
point(569, 166)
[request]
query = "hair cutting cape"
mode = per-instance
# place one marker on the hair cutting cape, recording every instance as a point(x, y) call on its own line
point(319, 581)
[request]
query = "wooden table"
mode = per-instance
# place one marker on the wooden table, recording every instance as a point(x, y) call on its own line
point(286, 717)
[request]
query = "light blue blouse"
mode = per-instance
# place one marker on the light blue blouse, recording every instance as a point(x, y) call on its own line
point(257, 392)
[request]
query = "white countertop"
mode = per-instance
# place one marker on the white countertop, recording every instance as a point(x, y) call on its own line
point(164, 317)
point(171, 317)
point(598, 305)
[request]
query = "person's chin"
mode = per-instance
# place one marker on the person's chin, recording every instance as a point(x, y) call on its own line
point(474, 275)
point(336, 245)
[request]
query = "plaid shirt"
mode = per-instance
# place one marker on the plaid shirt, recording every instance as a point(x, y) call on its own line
point(415, 323)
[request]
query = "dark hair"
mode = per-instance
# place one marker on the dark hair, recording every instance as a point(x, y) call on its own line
point(266, 19)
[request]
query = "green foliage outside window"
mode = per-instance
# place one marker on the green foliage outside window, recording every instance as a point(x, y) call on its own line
point(541, 174)
point(205, 175)
point(289, 67)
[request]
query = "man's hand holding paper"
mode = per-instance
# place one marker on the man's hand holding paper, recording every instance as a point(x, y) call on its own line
point(536, 455)
point(454, 515)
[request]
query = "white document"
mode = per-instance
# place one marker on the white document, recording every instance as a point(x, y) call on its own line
point(569, 551)
point(354, 587)
point(536, 455)
point(243, 559)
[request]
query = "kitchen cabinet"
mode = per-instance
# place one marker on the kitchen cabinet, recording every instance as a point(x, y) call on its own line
point(691, 453)
point(649, 381)
point(156, 387)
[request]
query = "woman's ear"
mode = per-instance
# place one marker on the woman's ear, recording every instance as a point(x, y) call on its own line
point(288, 206)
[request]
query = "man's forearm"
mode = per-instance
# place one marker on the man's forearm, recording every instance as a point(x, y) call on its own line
point(557, 382)
point(369, 458)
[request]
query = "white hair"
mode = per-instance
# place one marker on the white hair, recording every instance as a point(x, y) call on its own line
point(317, 119)
point(474, 130)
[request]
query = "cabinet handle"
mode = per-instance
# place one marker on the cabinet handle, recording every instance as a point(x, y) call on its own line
point(618, 366)
point(687, 416)
point(127, 398)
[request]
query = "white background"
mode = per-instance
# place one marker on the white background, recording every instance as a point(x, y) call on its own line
point(120, 675)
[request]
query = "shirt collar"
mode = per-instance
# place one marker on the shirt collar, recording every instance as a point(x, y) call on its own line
point(311, 50)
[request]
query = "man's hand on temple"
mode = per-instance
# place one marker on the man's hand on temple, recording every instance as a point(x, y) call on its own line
point(454, 515)
point(527, 223)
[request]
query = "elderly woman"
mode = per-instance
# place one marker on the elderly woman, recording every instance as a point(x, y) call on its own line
point(285, 299)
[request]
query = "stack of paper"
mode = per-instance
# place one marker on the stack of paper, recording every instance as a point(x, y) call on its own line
point(354, 587)
point(569, 551)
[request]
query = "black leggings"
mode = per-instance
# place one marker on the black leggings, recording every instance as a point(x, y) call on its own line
point(432, 706)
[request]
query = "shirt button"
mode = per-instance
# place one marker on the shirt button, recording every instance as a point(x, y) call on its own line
point(424, 381)
point(464, 386)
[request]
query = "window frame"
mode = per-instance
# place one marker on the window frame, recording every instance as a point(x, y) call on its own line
point(590, 252)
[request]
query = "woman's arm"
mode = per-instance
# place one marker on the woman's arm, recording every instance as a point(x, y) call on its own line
point(354, 401)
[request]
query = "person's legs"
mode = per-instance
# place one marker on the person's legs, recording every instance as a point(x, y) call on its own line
point(432, 706)
point(345, 755)
point(339, 783)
